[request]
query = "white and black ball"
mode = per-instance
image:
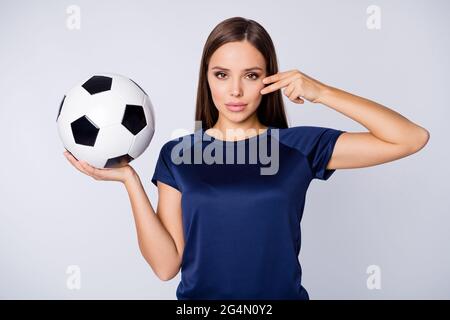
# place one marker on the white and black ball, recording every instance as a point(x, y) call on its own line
point(106, 120)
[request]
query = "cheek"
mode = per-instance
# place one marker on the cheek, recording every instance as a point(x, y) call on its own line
point(217, 90)
point(255, 89)
point(258, 87)
point(255, 92)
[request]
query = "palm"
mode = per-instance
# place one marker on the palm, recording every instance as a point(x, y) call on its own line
point(107, 174)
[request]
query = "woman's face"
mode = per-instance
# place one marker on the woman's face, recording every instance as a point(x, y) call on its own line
point(235, 74)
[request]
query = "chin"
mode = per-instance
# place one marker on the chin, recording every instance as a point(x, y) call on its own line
point(238, 118)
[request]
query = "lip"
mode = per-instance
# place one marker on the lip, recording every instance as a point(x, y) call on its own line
point(235, 106)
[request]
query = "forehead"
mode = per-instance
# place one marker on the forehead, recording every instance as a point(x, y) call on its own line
point(237, 56)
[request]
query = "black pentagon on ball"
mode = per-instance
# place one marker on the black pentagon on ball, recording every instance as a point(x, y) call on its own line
point(134, 118)
point(118, 161)
point(60, 107)
point(84, 131)
point(97, 84)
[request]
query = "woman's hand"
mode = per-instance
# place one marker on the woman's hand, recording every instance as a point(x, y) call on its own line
point(298, 84)
point(107, 174)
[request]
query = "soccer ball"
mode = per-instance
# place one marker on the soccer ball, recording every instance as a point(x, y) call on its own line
point(106, 120)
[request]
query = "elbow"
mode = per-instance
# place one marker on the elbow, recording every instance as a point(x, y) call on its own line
point(167, 276)
point(168, 273)
point(165, 270)
point(420, 139)
point(162, 272)
point(164, 278)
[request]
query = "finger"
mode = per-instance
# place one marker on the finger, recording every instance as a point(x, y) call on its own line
point(71, 159)
point(289, 89)
point(277, 85)
point(75, 163)
point(66, 153)
point(92, 171)
point(276, 77)
point(296, 96)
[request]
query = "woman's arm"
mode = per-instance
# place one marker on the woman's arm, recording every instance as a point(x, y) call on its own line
point(391, 136)
point(160, 235)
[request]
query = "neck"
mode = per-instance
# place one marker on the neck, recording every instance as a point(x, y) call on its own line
point(242, 130)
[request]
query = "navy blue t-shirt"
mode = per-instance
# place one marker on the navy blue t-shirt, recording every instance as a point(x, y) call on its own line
point(241, 216)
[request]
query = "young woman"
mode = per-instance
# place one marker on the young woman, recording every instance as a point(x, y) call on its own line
point(232, 228)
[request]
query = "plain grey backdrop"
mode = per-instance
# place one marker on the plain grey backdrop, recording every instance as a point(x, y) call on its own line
point(394, 216)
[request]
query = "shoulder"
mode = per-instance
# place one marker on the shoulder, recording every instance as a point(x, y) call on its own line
point(298, 131)
point(175, 144)
point(302, 133)
point(305, 138)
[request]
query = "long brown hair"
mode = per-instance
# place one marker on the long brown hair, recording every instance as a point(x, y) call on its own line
point(271, 111)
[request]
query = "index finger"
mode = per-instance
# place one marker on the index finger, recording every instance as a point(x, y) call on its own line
point(277, 85)
point(275, 77)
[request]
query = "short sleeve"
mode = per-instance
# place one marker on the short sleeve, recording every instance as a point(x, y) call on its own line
point(316, 144)
point(320, 142)
point(163, 169)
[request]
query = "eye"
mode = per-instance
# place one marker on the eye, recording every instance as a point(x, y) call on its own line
point(218, 73)
point(254, 75)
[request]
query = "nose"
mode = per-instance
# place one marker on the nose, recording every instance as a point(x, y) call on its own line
point(236, 89)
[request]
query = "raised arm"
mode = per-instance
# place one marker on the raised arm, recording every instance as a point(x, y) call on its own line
point(391, 136)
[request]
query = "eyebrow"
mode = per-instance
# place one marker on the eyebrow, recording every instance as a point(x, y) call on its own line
point(248, 69)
